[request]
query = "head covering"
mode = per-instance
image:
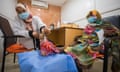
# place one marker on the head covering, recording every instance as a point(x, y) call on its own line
point(94, 18)
point(94, 13)
point(21, 5)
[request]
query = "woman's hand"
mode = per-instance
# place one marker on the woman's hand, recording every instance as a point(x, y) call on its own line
point(29, 27)
point(46, 31)
point(38, 35)
point(35, 34)
point(41, 36)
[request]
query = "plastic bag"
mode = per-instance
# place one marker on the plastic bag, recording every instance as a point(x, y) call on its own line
point(47, 47)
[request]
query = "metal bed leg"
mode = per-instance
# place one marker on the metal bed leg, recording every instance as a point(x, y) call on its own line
point(105, 63)
point(3, 60)
point(14, 57)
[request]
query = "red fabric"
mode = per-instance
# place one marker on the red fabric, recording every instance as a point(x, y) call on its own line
point(47, 47)
point(89, 29)
point(95, 54)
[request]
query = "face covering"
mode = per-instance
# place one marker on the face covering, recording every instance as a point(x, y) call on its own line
point(92, 19)
point(24, 15)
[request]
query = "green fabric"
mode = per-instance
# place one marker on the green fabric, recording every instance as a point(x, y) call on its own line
point(91, 41)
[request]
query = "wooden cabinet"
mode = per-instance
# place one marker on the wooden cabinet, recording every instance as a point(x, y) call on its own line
point(65, 35)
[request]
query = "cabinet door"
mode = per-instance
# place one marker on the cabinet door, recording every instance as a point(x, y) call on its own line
point(70, 34)
point(57, 36)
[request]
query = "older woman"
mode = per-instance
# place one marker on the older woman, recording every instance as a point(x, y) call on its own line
point(28, 26)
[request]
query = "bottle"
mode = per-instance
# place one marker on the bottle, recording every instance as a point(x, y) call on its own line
point(58, 24)
point(51, 26)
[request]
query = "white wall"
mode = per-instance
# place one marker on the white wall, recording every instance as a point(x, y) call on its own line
point(76, 10)
point(7, 8)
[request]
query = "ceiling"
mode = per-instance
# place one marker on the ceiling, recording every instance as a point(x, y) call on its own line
point(55, 2)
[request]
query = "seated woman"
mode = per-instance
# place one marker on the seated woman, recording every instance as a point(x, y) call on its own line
point(90, 45)
point(31, 60)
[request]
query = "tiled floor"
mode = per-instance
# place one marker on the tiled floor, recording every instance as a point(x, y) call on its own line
point(11, 67)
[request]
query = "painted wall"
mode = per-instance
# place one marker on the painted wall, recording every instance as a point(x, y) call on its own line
point(48, 16)
point(76, 10)
point(7, 8)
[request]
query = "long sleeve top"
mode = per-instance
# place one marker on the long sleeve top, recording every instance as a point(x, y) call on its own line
point(19, 28)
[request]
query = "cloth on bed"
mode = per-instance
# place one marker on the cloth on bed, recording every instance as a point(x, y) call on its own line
point(34, 62)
